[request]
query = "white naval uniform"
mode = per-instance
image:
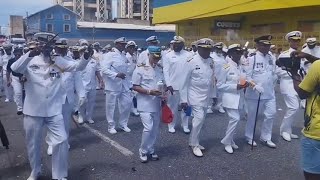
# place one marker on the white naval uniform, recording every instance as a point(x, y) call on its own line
point(17, 87)
point(149, 106)
point(8, 91)
point(117, 89)
point(232, 98)
point(173, 68)
point(71, 83)
point(290, 96)
point(219, 60)
point(43, 106)
point(98, 56)
point(132, 62)
point(89, 82)
point(261, 71)
point(196, 90)
point(314, 52)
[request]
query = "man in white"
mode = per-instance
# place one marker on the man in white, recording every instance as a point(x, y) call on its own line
point(71, 83)
point(143, 56)
point(312, 49)
point(15, 80)
point(114, 67)
point(196, 90)
point(145, 79)
point(132, 62)
point(8, 90)
point(173, 68)
point(219, 60)
point(89, 75)
point(231, 83)
point(260, 72)
point(286, 88)
point(43, 104)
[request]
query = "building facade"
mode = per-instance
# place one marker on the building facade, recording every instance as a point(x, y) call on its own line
point(60, 20)
point(108, 10)
point(240, 21)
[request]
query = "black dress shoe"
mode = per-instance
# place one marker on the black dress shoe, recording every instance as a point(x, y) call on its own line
point(19, 112)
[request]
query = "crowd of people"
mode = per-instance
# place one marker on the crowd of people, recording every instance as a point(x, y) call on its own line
point(51, 83)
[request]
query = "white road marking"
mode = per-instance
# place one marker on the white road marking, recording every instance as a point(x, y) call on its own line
point(106, 139)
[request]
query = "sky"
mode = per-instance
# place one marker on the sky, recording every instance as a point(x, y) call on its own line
point(20, 7)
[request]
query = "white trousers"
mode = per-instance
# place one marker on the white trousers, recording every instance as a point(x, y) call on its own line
point(8, 91)
point(199, 115)
point(234, 118)
point(124, 100)
point(292, 103)
point(268, 107)
point(150, 123)
point(86, 110)
point(57, 139)
point(17, 89)
point(219, 100)
point(173, 103)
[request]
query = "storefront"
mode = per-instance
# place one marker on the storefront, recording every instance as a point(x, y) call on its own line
point(242, 21)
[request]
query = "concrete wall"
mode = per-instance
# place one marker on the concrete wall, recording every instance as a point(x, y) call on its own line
point(16, 25)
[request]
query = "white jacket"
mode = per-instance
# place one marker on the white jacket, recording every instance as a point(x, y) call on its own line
point(286, 83)
point(227, 81)
point(197, 82)
point(173, 67)
point(113, 63)
point(44, 94)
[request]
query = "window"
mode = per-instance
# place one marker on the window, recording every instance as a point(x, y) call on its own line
point(66, 17)
point(49, 28)
point(49, 16)
point(66, 28)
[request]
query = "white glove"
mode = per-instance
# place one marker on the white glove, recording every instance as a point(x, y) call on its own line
point(82, 100)
point(258, 88)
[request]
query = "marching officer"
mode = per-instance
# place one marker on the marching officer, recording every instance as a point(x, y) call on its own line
point(311, 48)
point(290, 96)
point(132, 62)
point(260, 72)
point(71, 83)
point(43, 104)
point(173, 69)
point(89, 75)
point(231, 83)
point(219, 60)
point(8, 90)
point(115, 68)
point(15, 80)
point(196, 90)
point(145, 79)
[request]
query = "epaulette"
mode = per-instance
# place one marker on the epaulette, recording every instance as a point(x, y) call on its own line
point(189, 59)
point(226, 66)
point(141, 65)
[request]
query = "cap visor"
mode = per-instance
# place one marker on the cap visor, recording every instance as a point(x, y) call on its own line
point(205, 46)
point(295, 38)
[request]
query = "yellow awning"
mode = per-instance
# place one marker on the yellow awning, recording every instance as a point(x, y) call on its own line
point(210, 8)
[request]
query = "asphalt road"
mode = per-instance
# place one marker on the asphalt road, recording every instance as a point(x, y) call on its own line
point(96, 155)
